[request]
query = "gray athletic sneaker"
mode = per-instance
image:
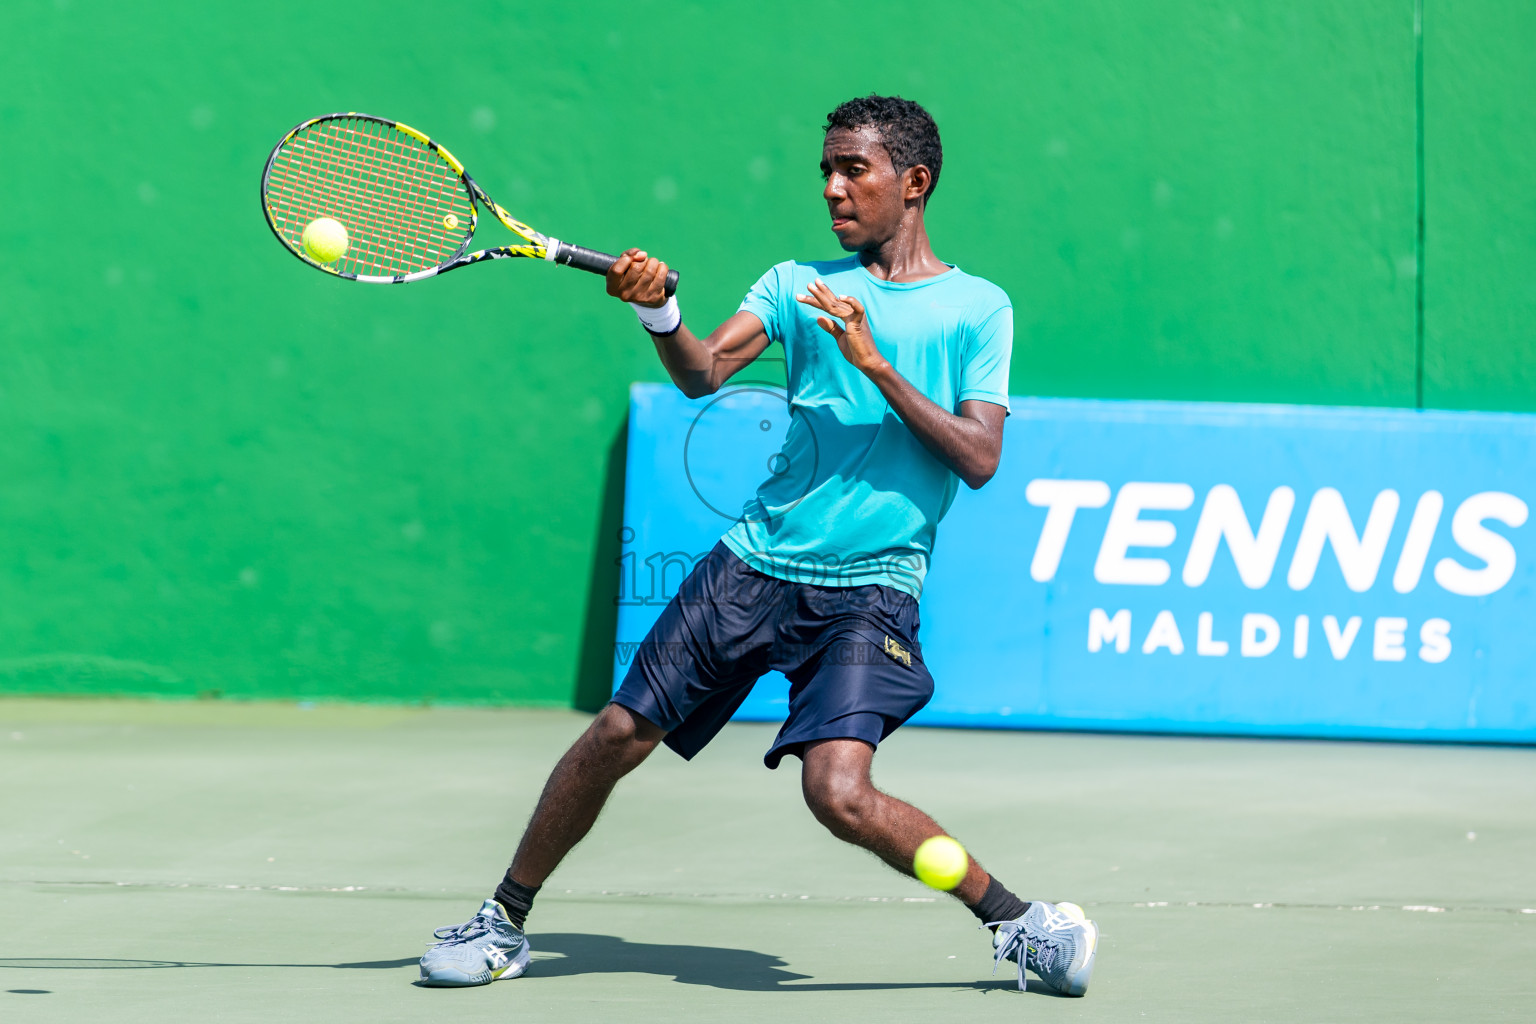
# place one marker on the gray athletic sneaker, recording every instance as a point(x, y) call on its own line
point(1055, 940)
point(486, 948)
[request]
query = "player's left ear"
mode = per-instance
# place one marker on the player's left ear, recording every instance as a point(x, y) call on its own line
point(915, 182)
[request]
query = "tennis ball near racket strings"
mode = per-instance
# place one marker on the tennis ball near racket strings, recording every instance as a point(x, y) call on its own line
point(940, 862)
point(325, 240)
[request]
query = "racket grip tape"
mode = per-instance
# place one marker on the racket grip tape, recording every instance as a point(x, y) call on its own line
point(596, 262)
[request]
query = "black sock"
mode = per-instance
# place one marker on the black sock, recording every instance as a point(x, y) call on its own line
point(517, 899)
point(998, 904)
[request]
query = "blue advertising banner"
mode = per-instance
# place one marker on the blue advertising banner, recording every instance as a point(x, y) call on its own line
point(1179, 567)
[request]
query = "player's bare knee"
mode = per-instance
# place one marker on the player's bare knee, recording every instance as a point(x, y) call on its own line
point(844, 803)
point(612, 728)
point(620, 736)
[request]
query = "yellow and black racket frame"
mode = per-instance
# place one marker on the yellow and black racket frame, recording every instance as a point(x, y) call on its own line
point(540, 246)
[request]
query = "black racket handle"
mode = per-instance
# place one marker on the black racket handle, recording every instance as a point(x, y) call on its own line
point(596, 262)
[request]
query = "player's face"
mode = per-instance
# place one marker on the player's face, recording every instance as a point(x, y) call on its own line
point(864, 193)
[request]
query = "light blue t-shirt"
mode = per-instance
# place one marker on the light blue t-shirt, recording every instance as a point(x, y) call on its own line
point(855, 497)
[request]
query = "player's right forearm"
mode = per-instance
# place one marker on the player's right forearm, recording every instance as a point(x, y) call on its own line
point(688, 361)
point(700, 366)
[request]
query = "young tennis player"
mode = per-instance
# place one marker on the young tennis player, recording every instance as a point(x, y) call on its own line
point(897, 375)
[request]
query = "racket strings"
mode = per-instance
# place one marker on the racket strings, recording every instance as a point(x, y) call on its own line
point(391, 192)
point(348, 176)
point(374, 244)
point(378, 188)
point(388, 188)
point(407, 164)
point(395, 236)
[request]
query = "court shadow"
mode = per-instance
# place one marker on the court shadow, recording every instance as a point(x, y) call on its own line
point(71, 963)
point(563, 955)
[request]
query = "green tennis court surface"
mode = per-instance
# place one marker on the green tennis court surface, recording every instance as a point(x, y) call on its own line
point(246, 862)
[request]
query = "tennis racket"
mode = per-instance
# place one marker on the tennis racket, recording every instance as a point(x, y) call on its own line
point(408, 205)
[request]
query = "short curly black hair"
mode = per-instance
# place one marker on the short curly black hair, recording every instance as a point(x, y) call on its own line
point(906, 130)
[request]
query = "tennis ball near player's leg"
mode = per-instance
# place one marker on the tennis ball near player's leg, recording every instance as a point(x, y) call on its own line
point(940, 862)
point(325, 240)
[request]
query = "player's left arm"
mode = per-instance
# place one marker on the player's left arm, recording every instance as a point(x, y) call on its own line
point(969, 443)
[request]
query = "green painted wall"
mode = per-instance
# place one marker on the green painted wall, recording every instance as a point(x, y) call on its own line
point(221, 472)
point(1480, 217)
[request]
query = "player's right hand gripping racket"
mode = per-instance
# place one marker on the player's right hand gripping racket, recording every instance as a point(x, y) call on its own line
point(408, 206)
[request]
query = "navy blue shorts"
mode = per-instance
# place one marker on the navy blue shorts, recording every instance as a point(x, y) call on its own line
point(851, 655)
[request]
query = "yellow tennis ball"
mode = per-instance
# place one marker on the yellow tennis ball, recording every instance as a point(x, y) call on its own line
point(325, 240)
point(450, 222)
point(941, 863)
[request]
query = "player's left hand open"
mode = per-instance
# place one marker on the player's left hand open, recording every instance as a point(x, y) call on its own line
point(853, 337)
point(637, 277)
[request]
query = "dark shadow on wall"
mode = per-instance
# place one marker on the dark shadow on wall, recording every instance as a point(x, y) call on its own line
point(594, 671)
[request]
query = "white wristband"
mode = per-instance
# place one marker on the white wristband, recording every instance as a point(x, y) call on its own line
point(661, 319)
